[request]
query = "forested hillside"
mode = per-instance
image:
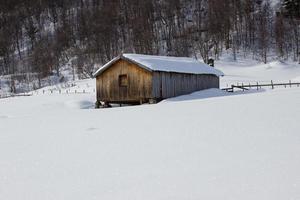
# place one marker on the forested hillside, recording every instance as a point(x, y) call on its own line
point(41, 36)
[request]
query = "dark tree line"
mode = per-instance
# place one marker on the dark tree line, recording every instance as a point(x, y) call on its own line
point(41, 36)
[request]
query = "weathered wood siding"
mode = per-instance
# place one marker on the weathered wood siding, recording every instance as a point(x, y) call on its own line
point(169, 84)
point(139, 83)
point(144, 85)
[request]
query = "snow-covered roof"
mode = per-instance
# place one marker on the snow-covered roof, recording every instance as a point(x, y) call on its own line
point(165, 64)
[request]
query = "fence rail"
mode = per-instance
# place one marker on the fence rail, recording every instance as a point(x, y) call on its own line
point(233, 87)
point(4, 96)
point(49, 91)
point(258, 86)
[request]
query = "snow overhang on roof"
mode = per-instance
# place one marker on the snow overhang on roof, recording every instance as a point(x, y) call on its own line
point(165, 64)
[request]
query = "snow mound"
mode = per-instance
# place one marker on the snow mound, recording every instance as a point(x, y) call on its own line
point(209, 93)
point(83, 104)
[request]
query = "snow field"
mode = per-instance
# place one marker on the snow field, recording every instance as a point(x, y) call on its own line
point(206, 145)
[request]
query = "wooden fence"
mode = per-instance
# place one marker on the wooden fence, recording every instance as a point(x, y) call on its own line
point(233, 88)
point(64, 91)
point(3, 96)
point(49, 91)
point(258, 86)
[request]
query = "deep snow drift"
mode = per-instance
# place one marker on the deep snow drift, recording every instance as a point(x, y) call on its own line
point(207, 145)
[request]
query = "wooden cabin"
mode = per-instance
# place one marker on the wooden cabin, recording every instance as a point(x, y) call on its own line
point(134, 78)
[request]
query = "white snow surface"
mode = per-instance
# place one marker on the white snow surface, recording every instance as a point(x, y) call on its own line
point(168, 64)
point(250, 71)
point(206, 145)
point(274, 3)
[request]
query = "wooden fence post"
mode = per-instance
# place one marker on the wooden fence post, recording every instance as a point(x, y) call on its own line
point(272, 84)
point(257, 85)
point(290, 83)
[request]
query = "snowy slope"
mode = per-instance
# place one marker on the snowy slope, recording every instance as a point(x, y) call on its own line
point(206, 145)
point(251, 71)
point(226, 147)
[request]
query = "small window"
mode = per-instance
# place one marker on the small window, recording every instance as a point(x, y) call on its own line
point(123, 80)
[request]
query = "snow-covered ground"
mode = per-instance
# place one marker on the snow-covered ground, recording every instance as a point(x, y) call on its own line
point(207, 145)
point(251, 71)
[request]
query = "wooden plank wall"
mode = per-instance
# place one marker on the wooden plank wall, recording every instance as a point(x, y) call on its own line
point(145, 85)
point(139, 83)
point(169, 84)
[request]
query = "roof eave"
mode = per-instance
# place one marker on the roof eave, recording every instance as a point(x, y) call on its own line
point(137, 63)
point(107, 65)
point(113, 61)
